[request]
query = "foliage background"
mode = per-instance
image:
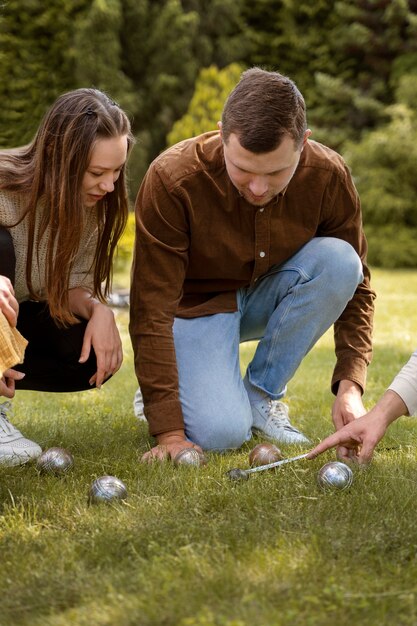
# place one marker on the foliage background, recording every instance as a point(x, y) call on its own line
point(170, 63)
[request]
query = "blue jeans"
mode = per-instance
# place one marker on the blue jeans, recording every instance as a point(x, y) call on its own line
point(288, 310)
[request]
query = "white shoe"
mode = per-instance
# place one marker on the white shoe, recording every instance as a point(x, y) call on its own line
point(15, 449)
point(272, 421)
point(138, 406)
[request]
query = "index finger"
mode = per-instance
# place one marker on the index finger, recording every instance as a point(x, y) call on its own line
point(329, 442)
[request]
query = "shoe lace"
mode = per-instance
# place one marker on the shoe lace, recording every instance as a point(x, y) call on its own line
point(278, 415)
point(5, 425)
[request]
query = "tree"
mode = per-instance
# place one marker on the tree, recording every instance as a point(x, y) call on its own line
point(346, 56)
point(291, 36)
point(99, 53)
point(205, 109)
point(36, 58)
point(165, 45)
point(222, 31)
point(384, 164)
point(374, 42)
point(145, 53)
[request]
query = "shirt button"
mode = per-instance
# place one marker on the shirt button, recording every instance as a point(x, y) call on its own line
point(261, 210)
point(262, 254)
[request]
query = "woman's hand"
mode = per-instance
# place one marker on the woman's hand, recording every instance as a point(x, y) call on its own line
point(8, 303)
point(101, 334)
point(7, 382)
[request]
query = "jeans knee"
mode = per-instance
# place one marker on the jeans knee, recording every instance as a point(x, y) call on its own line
point(221, 440)
point(220, 434)
point(343, 265)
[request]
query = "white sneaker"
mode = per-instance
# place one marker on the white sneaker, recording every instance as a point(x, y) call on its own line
point(138, 406)
point(15, 449)
point(273, 415)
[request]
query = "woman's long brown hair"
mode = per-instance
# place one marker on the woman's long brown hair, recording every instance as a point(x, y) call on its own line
point(50, 171)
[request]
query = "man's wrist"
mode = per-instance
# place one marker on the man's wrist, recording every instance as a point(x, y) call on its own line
point(349, 386)
point(172, 436)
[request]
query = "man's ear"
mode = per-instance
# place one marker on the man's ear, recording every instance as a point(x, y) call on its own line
point(219, 126)
point(307, 134)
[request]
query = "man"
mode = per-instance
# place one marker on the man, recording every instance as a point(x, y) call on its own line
point(249, 232)
point(359, 438)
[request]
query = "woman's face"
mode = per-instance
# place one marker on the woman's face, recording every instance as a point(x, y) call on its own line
point(107, 160)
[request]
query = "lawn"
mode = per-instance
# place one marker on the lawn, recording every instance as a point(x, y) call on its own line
point(189, 547)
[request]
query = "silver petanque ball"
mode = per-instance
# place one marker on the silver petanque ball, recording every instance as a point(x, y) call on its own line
point(55, 461)
point(335, 475)
point(106, 489)
point(189, 456)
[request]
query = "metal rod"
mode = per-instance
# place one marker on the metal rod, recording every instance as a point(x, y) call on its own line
point(275, 464)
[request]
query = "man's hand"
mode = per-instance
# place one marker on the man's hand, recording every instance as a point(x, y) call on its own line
point(8, 303)
point(347, 407)
point(7, 383)
point(169, 445)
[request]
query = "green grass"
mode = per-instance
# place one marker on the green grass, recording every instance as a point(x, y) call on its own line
point(190, 548)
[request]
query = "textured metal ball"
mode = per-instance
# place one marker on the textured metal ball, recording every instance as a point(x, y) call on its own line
point(55, 461)
point(335, 475)
point(264, 453)
point(107, 488)
point(237, 474)
point(189, 456)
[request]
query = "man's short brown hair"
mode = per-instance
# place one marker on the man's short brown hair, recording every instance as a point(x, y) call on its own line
point(262, 109)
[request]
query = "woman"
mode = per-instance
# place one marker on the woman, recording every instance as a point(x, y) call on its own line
point(63, 208)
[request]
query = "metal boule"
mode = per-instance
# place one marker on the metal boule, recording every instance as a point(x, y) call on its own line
point(55, 461)
point(264, 453)
point(106, 489)
point(189, 456)
point(335, 475)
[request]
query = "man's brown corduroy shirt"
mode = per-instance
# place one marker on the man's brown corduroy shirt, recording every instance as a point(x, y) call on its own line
point(198, 241)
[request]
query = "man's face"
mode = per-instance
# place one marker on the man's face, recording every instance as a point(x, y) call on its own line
point(261, 177)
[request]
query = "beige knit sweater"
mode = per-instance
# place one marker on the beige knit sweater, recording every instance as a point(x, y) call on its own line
point(12, 206)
